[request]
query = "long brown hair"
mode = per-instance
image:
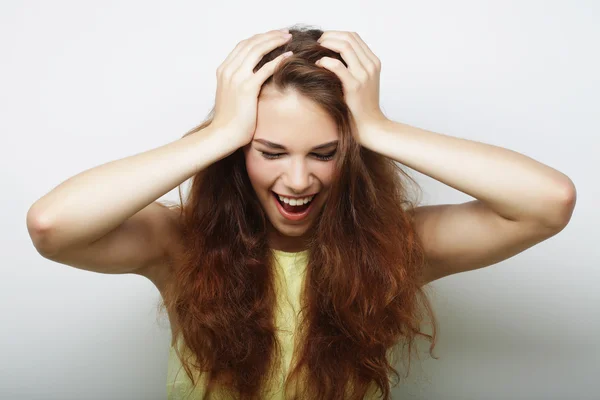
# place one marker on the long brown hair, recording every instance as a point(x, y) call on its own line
point(362, 297)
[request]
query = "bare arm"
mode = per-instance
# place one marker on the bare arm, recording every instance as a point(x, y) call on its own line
point(107, 220)
point(95, 202)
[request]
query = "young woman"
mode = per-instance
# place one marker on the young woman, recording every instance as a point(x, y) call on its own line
point(295, 268)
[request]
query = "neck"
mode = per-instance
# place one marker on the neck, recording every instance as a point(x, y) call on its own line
point(289, 244)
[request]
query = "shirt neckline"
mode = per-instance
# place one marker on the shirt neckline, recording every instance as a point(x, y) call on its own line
point(290, 254)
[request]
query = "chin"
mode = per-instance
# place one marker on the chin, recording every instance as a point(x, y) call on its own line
point(291, 231)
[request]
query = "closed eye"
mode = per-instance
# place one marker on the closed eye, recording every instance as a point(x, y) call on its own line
point(322, 157)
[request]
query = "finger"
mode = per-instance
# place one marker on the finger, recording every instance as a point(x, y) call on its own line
point(368, 59)
point(268, 69)
point(259, 45)
point(259, 50)
point(232, 54)
point(347, 52)
point(243, 45)
point(366, 49)
point(336, 66)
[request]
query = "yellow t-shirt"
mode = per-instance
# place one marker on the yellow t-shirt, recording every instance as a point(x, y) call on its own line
point(291, 269)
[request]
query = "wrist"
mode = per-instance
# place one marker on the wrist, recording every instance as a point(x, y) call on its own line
point(371, 132)
point(219, 139)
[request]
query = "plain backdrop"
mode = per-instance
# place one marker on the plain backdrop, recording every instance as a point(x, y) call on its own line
point(87, 82)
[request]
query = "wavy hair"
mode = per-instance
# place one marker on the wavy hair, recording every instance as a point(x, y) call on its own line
point(362, 301)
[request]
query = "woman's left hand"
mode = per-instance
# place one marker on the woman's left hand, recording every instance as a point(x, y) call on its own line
point(360, 80)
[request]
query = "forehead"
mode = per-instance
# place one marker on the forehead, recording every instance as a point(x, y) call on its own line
point(292, 120)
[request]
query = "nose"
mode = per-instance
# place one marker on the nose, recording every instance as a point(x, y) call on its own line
point(297, 177)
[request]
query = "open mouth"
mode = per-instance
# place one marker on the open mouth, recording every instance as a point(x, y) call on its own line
point(294, 210)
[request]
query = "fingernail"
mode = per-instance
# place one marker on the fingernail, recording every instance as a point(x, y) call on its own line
point(285, 30)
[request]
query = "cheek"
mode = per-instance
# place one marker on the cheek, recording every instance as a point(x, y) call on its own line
point(325, 173)
point(259, 173)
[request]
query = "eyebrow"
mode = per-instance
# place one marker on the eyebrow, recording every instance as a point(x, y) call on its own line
point(282, 147)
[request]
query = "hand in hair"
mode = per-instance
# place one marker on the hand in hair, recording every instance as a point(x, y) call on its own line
point(360, 80)
point(238, 86)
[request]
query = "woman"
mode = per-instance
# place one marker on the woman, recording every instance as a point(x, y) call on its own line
point(296, 265)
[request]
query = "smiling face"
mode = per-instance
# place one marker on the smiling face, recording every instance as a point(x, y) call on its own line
point(285, 158)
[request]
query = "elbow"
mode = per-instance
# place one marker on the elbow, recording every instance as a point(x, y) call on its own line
point(38, 228)
point(565, 205)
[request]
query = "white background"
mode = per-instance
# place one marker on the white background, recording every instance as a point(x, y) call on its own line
point(83, 83)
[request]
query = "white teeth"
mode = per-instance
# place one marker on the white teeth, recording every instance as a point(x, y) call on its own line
point(296, 202)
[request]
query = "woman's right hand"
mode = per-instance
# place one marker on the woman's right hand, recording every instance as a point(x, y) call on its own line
point(238, 86)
